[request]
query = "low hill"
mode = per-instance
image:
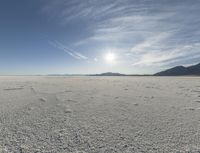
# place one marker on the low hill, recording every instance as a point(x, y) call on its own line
point(108, 74)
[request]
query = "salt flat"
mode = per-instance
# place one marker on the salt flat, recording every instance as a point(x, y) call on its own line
point(99, 114)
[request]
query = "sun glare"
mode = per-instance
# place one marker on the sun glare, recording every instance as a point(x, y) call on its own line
point(110, 57)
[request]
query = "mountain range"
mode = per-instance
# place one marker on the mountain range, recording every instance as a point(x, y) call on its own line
point(175, 71)
point(180, 70)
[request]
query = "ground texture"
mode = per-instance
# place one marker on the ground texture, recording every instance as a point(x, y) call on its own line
point(99, 114)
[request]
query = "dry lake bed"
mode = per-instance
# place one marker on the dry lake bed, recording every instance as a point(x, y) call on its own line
point(99, 114)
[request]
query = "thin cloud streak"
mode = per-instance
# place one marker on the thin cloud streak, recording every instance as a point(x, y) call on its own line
point(68, 50)
point(149, 52)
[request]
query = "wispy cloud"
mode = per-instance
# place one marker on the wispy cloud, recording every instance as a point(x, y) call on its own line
point(157, 51)
point(68, 50)
point(150, 32)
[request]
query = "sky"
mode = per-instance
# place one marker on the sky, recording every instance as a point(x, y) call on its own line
point(96, 36)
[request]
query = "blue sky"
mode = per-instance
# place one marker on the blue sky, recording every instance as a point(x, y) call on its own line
point(73, 36)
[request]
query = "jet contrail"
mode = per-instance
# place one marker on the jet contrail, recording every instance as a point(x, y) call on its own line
point(69, 51)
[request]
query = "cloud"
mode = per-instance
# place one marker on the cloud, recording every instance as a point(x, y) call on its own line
point(68, 50)
point(151, 32)
point(157, 51)
point(152, 43)
point(96, 59)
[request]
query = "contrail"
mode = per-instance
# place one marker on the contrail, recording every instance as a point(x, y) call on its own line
point(68, 50)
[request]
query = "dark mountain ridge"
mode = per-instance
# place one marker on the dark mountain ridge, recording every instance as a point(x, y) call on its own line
point(181, 70)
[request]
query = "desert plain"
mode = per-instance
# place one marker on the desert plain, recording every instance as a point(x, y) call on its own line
point(87, 114)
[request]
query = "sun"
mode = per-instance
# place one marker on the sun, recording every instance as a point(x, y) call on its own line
point(110, 57)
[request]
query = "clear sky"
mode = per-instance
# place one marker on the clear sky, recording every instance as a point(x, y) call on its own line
point(94, 36)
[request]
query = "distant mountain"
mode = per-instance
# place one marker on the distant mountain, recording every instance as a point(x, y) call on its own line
point(181, 70)
point(108, 74)
point(66, 75)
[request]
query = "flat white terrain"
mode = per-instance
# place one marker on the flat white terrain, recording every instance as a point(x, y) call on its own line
point(99, 114)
